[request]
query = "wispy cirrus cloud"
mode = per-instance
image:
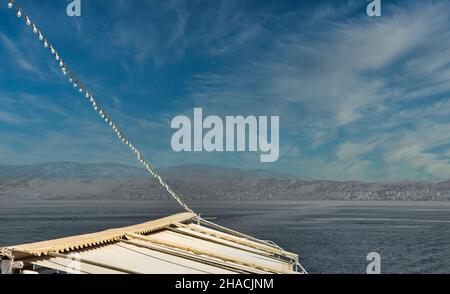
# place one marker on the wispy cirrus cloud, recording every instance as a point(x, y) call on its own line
point(10, 118)
point(358, 97)
point(17, 56)
point(359, 76)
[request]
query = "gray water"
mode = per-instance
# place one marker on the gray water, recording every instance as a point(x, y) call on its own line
point(331, 237)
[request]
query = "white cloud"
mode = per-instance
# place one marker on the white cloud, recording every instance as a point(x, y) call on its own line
point(412, 151)
point(351, 150)
point(17, 55)
point(10, 118)
point(351, 86)
point(361, 76)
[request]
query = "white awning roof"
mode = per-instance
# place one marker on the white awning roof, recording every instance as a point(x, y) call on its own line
point(179, 244)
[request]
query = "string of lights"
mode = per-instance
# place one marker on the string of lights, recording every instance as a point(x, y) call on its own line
point(83, 90)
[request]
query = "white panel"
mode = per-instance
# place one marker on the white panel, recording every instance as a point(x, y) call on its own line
point(68, 266)
point(192, 242)
point(147, 261)
point(212, 238)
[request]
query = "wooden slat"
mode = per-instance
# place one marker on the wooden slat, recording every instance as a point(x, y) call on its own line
point(239, 240)
point(89, 240)
point(209, 253)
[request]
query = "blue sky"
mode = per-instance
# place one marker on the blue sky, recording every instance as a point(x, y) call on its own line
point(358, 98)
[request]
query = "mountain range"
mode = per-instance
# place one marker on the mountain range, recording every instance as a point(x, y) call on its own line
point(70, 180)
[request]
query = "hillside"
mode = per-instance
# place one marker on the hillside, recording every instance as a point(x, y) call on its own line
point(117, 181)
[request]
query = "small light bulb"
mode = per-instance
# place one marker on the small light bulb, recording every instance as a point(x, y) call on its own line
point(57, 57)
point(80, 90)
point(28, 21)
point(70, 79)
point(45, 44)
point(61, 64)
point(75, 85)
point(41, 38)
point(10, 4)
point(52, 50)
point(35, 30)
point(19, 13)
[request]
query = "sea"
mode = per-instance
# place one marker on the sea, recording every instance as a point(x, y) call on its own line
point(329, 236)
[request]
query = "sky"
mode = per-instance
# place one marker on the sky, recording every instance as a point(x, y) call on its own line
point(359, 97)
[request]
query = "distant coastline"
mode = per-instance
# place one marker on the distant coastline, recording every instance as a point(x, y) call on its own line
point(70, 180)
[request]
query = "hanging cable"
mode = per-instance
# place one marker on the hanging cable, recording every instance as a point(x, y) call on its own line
point(82, 89)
